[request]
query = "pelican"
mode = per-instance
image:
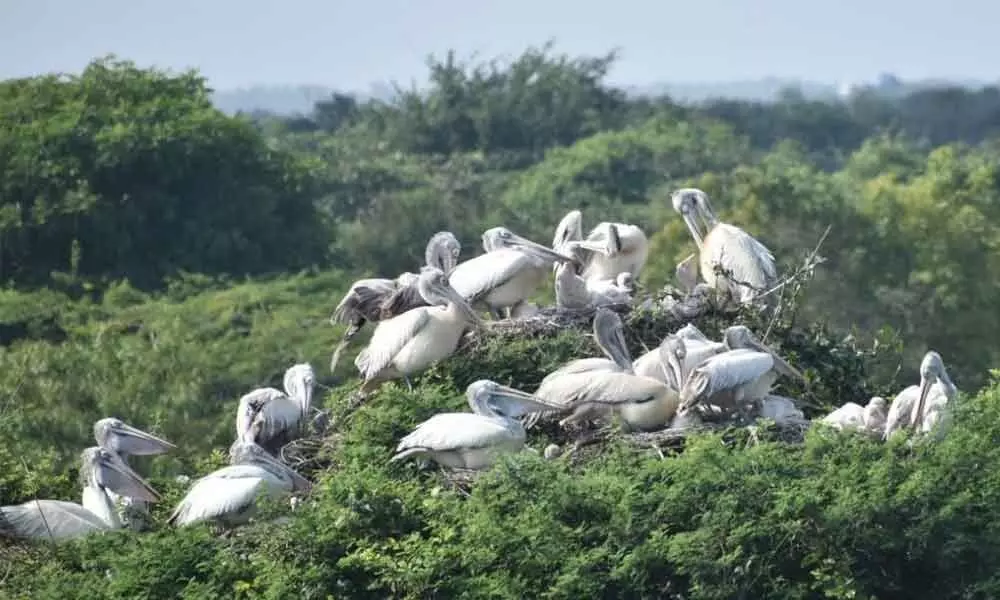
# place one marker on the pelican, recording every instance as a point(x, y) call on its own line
point(740, 375)
point(643, 403)
point(780, 409)
point(416, 339)
point(922, 407)
point(736, 251)
point(121, 438)
point(102, 470)
point(575, 292)
point(228, 495)
point(696, 349)
point(282, 414)
point(376, 299)
point(508, 274)
point(851, 415)
point(609, 332)
point(474, 440)
point(614, 247)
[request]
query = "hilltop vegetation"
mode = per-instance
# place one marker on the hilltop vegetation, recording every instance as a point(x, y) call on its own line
point(162, 259)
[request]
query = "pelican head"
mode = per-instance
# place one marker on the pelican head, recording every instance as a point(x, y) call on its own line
point(246, 452)
point(739, 336)
point(687, 202)
point(570, 229)
point(299, 382)
point(434, 288)
point(252, 417)
point(118, 436)
point(931, 371)
point(443, 250)
point(489, 398)
point(610, 334)
point(104, 469)
point(673, 351)
point(501, 237)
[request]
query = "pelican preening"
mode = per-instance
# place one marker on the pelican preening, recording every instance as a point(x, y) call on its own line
point(474, 440)
point(749, 263)
point(228, 495)
point(613, 248)
point(507, 274)
point(923, 407)
point(282, 414)
point(411, 342)
point(101, 470)
point(742, 374)
point(380, 298)
point(121, 438)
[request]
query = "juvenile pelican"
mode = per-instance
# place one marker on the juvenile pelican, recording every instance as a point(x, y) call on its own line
point(416, 339)
point(780, 409)
point(575, 292)
point(736, 251)
point(474, 440)
point(282, 414)
point(851, 415)
point(101, 470)
point(376, 299)
point(614, 247)
point(228, 495)
point(924, 406)
point(121, 438)
point(508, 274)
point(734, 378)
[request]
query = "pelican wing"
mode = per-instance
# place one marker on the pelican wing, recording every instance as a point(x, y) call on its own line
point(740, 253)
point(690, 332)
point(363, 298)
point(848, 416)
point(226, 491)
point(583, 365)
point(477, 277)
point(723, 372)
point(261, 396)
point(40, 519)
point(404, 298)
point(899, 411)
point(651, 365)
point(602, 387)
point(453, 431)
point(388, 339)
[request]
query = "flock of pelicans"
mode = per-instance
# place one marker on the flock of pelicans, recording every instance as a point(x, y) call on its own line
point(420, 320)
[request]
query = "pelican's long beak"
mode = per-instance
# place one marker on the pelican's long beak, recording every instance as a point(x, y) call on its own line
point(613, 343)
point(464, 306)
point(671, 350)
point(780, 365)
point(692, 225)
point(917, 414)
point(113, 474)
point(131, 440)
point(299, 483)
point(539, 250)
point(519, 403)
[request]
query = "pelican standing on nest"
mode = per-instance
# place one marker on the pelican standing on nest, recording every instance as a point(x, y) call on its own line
point(750, 263)
point(735, 378)
point(474, 440)
point(282, 414)
point(507, 275)
point(614, 247)
point(102, 470)
point(228, 495)
point(121, 438)
point(923, 406)
point(416, 339)
point(379, 298)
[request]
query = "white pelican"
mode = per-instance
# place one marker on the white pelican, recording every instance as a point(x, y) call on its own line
point(851, 415)
point(282, 414)
point(736, 251)
point(736, 377)
point(102, 470)
point(376, 299)
point(473, 440)
point(609, 333)
point(508, 274)
point(575, 292)
point(780, 409)
point(416, 339)
point(922, 407)
point(123, 439)
point(615, 247)
point(696, 349)
point(228, 495)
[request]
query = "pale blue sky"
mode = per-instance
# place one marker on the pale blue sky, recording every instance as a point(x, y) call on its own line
point(352, 44)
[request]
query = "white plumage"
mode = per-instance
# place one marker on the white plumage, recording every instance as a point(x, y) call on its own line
point(748, 262)
point(611, 248)
point(282, 414)
point(473, 440)
point(852, 416)
point(922, 407)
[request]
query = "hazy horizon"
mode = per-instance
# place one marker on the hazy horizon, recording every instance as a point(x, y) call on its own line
point(309, 42)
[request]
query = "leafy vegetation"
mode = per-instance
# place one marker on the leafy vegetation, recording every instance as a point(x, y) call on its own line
point(161, 259)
